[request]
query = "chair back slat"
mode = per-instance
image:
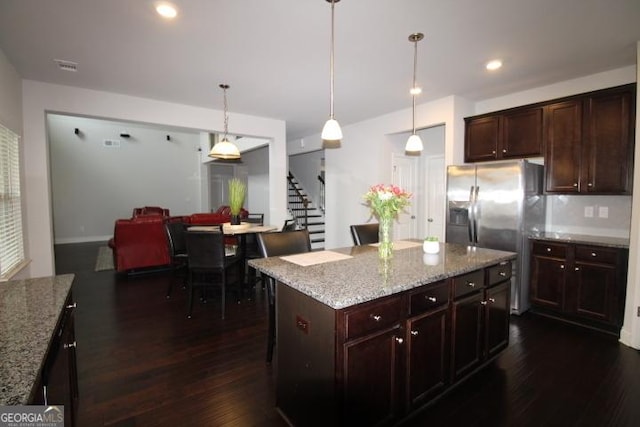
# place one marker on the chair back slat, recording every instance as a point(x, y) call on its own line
point(284, 243)
point(364, 234)
point(205, 249)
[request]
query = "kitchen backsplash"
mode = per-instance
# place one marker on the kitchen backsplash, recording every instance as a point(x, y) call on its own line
point(592, 215)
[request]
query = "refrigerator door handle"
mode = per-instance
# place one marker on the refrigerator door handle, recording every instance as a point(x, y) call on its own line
point(470, 214)
point(475, 216)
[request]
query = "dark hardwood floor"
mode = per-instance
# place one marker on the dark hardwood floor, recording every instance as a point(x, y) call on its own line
point(141, 362)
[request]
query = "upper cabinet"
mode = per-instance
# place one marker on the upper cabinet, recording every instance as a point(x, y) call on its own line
point(512, 134)
point(587, 140)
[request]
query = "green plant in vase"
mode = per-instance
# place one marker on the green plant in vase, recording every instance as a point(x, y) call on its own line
point(237, 193)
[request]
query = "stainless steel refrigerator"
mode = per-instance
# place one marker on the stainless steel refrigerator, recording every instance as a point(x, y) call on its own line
point(497, 205)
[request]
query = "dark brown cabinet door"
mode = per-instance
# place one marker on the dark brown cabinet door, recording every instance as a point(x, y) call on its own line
point(466, 334)
point(548, 277)
point(428, 355)
point(497, 312)
point(522, 133)
point(371, 366)
point(481, 138)
point(609, 142)
point(595, 291)
point(563, 128)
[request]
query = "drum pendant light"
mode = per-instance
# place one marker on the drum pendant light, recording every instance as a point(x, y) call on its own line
point(225, 149)
point(331, 132)
point(414, 143)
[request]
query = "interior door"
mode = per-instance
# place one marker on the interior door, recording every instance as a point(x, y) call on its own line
point(404, 175)
point(435, 189)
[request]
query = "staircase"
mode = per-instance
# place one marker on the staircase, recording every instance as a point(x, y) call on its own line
point(299, 204)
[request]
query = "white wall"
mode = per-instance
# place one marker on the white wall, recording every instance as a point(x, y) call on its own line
point(257, 164)
point(40, 98)
point(85, 173)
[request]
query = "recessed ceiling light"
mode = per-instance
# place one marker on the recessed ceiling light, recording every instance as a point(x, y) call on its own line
point(166, 10)
point(494, 64)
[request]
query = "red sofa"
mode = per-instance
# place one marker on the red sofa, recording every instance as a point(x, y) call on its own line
point(141, 241)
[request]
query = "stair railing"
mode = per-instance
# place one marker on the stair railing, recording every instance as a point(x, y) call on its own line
point(321, 180)
point(299, 203)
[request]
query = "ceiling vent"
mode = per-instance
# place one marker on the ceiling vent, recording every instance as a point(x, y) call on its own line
point(66, 65)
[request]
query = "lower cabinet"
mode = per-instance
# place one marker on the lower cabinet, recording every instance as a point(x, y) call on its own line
point(58, 381)
point(387, 357)
point(584, 284)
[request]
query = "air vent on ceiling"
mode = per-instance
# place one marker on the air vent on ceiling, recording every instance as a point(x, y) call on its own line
point(66, 65)
point(111, 143)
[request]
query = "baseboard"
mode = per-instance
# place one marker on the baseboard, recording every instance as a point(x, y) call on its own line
point(85, 239)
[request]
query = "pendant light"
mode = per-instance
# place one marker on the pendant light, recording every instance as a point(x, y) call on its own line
point(331, 132)
point(414, 143)
point(225, 149)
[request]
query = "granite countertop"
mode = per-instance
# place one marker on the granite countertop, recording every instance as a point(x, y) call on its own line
point(340, 284)
point(29, 312)
point(614, 242)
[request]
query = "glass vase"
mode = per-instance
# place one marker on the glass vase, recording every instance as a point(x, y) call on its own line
point(385, 238)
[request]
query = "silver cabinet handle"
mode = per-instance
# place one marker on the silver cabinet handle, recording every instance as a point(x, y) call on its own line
point(74, 305)
point(502, 273)
point(67, 346)
point(577, 269)
point(483, 302)
point(414, 333)
point(399, 340)
point(492, 300)
point(575, 184)
point(376, 317)
point(562, 267)
point(590, 184)
point(471, 284)
point(504, 150)
point(594, 254)
point(432, 299)
point(548, 249)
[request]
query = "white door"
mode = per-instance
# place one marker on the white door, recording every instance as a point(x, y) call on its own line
point(404, 175)
point(435, 192)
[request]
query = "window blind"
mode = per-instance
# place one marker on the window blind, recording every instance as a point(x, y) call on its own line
point(11, 244)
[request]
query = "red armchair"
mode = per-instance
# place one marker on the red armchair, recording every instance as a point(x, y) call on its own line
point(140, 242)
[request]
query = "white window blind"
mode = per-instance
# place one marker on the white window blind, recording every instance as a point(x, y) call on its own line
point(11, 244)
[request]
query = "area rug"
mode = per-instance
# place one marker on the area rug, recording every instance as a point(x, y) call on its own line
point(104, 261)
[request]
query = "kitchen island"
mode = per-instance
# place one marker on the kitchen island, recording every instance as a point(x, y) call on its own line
point(363, 342)
point(37, 343)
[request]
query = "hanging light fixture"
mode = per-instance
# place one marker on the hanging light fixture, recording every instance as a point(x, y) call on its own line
point(225, 149)
point(331, 132)
point(414, 143)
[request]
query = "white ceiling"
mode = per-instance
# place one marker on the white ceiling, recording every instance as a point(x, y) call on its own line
point(275, 53)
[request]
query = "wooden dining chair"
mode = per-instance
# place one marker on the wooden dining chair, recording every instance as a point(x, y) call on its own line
point(279, 244)
point(364, 234)
point(207, 261)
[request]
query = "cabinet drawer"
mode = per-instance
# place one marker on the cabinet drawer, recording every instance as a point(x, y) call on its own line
point(499, 273)
point(372, 316)
point(556, 250)
point(596, 254)
point(429, 297)
point(468, 283)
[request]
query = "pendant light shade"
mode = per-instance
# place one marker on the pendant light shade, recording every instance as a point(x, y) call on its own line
point(414, 143)
point(331, 132)
point(225, 149)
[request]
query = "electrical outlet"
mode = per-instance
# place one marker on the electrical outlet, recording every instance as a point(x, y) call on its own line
point(588, 211)
point(603, 212)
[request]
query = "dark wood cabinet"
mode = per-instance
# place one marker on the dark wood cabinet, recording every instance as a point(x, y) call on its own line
point(58, 381)
point(480, 318)
point(513, 134)
point(427, 344)
point(583, 284)
point(589, 143)
point(587, 140)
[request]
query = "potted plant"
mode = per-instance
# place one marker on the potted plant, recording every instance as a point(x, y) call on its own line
point(237, 192)
point(431, 245)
